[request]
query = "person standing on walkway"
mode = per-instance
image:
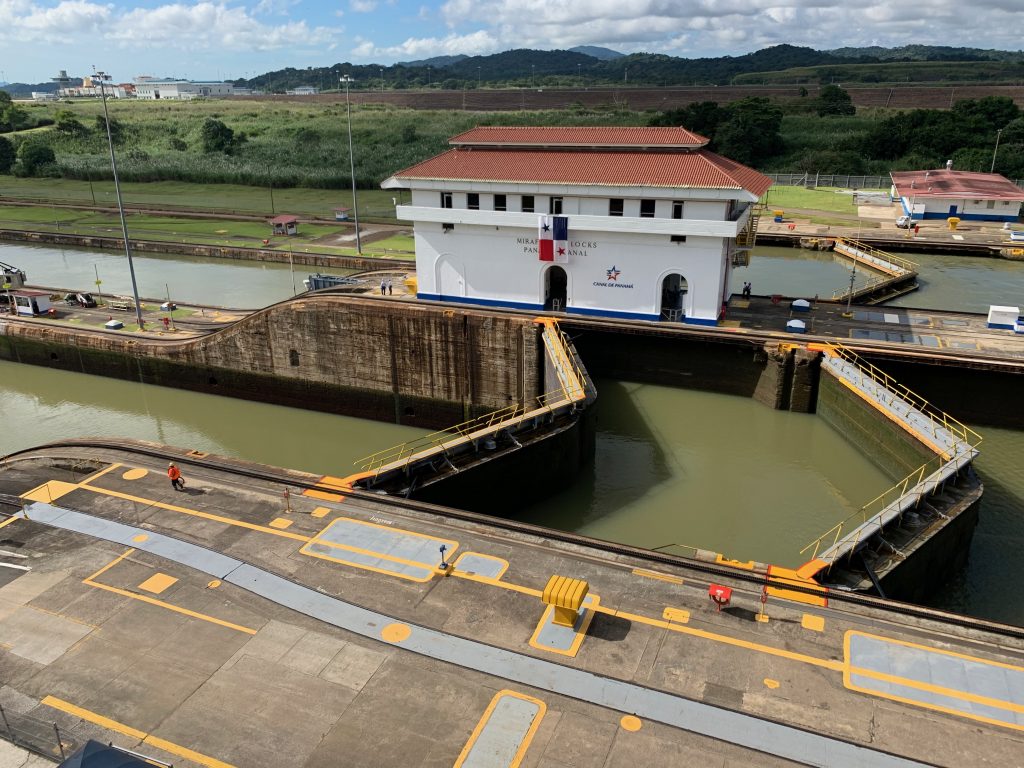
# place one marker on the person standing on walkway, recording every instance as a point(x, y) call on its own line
point(390, 288)
point(177, 481)
point(383, 286)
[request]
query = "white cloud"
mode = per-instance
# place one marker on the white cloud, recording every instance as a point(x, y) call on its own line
point(197, 26)
point(363, 6)
point(473, 44)
point(715, 27)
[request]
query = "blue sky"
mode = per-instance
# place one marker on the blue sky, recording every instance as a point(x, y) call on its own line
point(212, 39)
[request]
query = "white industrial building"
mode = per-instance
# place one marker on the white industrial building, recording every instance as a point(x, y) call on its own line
point(945, 193)
point(181, 90)
point(630, 222)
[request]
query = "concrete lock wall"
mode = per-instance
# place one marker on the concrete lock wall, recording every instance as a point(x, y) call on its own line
point(416, 365)
point(890, 447)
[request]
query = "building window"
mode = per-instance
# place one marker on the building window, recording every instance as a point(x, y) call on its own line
point(991, 204)
point(500, 203)
point(615, 206)
point(446, 199)
point(527, 203)
point(555, 206)
point(473, 201)
point(677, 238)
point(446, 228)
point(677, 209)
point(646, 209)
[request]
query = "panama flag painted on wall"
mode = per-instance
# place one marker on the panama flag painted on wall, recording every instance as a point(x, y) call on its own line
point(552, 238)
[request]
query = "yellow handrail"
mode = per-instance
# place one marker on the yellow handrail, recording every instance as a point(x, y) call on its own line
point(870, 250)
point(937, 416)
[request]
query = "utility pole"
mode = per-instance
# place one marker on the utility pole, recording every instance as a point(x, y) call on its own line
point(999, 132)
point(103, 77)
point(352, 163)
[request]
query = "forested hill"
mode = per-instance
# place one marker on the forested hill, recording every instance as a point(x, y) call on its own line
point(781, 63)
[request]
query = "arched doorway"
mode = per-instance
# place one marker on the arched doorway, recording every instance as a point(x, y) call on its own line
point(556, 284)
point(673, 298)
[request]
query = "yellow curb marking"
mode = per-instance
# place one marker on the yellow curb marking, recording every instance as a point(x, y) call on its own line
point(517, 758)
point(395, 633)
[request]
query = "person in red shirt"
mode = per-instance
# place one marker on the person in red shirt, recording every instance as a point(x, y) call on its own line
point(177, 481)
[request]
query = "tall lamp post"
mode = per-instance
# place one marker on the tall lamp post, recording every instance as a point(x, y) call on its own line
point(103, 77)
point(352, 163)
point(999, 132)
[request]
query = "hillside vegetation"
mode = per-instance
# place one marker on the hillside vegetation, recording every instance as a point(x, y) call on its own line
point(305, 144)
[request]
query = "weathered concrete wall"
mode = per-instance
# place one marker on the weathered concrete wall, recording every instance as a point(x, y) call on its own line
point(385, 360)
point(803, 393)
point(890, 447)
point(732, 366)
point(774, 383)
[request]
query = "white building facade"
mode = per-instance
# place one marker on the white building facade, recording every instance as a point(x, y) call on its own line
point(653, 221)
point(181, 90)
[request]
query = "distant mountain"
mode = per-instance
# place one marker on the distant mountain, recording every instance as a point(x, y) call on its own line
point(597, 52)
point(436, 61)
point(25, 90)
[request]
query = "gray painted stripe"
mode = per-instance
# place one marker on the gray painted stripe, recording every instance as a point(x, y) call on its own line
point(733, 727)
point(503, 733)
point(973, 676)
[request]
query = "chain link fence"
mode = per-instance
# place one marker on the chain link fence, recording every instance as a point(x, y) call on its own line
point(842, 180)
point(38, 736)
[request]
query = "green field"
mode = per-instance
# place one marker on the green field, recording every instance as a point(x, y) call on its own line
point(178, 195)
point(312, 238)
point(836, 200)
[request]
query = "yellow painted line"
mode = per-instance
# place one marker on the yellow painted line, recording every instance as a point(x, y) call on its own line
point(781, 653)
point(503, 561)
point(812, 622)
point(8, 521)
point(323, 495)
point(135, 733)
point(157, 583)
point(320, 512)
point(498, 583)
point(930, 649)
point(429, 568)
point(659, 576)
point(90, 581)
point(196, 513)
point(280, 523)
point(524, 745)
point(102, 472)
point(723, 560)
point(920, 685)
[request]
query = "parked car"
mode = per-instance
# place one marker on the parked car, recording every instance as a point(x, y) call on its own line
point(80, 299)
point(905, 222)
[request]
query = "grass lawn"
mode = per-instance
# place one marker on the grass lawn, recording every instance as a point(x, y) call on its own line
point(839, 201)
point(373, 203)
point(394, 243)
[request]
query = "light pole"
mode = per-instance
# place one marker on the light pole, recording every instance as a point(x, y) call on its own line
point(999, 132)
point(352, 164)
point(103, 77)
point(382, 79)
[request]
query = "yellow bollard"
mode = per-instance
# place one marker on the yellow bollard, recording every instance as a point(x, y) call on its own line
point(566, 595)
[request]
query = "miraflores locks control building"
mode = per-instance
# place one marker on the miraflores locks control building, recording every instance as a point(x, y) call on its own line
point(633, 222)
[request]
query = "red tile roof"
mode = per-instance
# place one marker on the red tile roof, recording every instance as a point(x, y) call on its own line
point(284, 219)
point(579, 136)
point(955, 184)
point(680, 170)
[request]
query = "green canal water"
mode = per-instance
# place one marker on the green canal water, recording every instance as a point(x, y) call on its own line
point(674, 468)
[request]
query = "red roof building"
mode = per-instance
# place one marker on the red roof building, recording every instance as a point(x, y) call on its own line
point(636, 222)
point(967, 195)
